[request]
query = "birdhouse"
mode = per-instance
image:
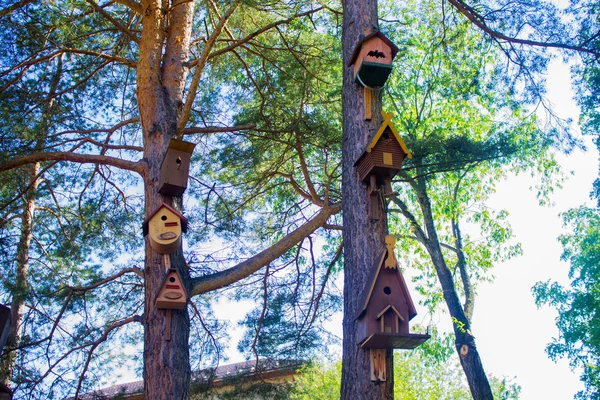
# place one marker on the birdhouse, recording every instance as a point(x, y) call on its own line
point(4, 325)
point(386, 307)
point(372, 59)
point(175, 168)
point(163, 228)
point(382, 160)
point(172, 294)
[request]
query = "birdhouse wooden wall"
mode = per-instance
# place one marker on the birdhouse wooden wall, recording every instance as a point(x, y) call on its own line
point(163, 228)
point(384, 160)
point(372, 60)
point(386, 308)
point(175, 168)
point(172, 294)
point(4, 325)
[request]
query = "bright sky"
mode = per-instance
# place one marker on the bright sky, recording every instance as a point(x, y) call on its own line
point(510, 331)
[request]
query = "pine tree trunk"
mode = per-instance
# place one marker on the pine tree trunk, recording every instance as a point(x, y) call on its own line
point(363, 237)
point(160, 81)
point(21, 290)
point(464, 339)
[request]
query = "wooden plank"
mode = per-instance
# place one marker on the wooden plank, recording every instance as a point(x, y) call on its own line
point(378, 365)
point(368, 113)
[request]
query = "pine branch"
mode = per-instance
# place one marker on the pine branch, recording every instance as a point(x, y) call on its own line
point(244, 269)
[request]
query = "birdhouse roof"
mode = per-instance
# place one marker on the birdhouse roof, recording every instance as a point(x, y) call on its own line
point(368, 291)
point(168, 207)
point(164, 281)
point(378, 34)
point(180, 145)
point(387, 124)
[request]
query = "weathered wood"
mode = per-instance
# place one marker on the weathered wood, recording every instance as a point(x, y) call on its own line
point(377, 359)
point(175, 167)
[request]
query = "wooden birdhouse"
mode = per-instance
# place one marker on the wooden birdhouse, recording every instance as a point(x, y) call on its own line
point(4, 325)
point(175, 168)
point(386, 307)
point(172, 294)
point(382, 160)
point(163, 228)
point(372, 59)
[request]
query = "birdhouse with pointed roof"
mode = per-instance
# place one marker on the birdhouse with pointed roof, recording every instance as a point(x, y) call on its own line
point(382, 158)
point(175, 168)
point(163, 229)
point(172, 294)
point(372, 59)
point(386, 307)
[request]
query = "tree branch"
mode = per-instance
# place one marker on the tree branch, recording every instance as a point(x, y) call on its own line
point(479, 21)
point(73, 157)
point(246, 268)
point(217, 129)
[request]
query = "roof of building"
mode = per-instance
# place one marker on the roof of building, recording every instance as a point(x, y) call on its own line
point(250, 370)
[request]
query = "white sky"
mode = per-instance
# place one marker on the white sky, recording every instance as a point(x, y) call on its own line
point(511, 332)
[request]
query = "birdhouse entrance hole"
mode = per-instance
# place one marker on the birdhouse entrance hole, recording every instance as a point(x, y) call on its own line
point(387, 290)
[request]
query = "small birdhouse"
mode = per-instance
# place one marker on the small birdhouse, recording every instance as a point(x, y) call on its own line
point(386, 307)
point(4, 325)
point(382, 160)
point(172, 294)
point(372, 59)
point(163, 228)
point(175, 168)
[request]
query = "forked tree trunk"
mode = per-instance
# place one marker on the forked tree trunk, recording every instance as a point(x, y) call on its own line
point(363, 237)
point(161, 77)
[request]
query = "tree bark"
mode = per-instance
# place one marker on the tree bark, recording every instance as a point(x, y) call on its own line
point(464, 339)
point(364, 238)
point(164, 48)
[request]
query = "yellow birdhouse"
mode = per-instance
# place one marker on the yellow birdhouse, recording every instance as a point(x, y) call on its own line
point(172, 294)
point(163, 228)
point(372, 59)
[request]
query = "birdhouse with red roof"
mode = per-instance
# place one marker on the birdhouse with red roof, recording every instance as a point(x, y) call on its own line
point(372, 59)
point(175, 168)
point(163, 229)
point(386, 307)
point(172, 294)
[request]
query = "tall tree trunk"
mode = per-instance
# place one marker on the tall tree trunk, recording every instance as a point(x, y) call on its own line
point(364, 238)
point(164, 47)
point(21, 289)
point(464, 339)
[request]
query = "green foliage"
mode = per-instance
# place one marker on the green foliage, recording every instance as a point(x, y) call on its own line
point(578, 304)
point(431, 371)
